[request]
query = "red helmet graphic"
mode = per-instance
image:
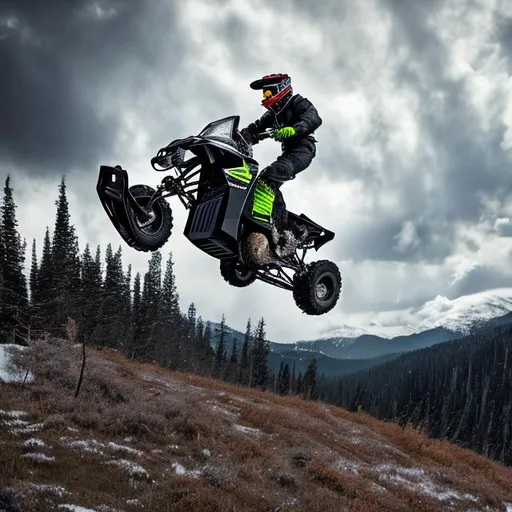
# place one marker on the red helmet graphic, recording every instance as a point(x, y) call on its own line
point(276, 88)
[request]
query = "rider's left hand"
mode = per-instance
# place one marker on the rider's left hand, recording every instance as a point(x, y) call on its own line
point(284, 133)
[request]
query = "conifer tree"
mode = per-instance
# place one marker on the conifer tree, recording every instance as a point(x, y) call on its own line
point(279, 376)
point(209, 352)
point(14, 285)
point(232, 367)
point(44, 317)
point(150, 306)
point(284, 384)
point(136, 349)
point(34, 297)
point(260, 371)
point(244, 372)
point(91, 294)
point(66, 262)
point(200, 350)
point(127, 306)
point(191, 321)
point(220, 353)
point(299, 386)
point(189, 337)
point(2, 256)
point(309, 380)
point(169, 319)
point(111, 330)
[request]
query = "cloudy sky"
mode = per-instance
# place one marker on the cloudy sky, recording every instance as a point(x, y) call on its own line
point(413, 161)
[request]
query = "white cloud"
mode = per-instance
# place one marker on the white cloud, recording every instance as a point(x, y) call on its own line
point(407, 238)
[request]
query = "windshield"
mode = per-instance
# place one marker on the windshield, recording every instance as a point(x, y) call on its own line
point(221, 130)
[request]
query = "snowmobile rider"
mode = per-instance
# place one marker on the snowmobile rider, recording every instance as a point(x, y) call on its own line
point(293, 119)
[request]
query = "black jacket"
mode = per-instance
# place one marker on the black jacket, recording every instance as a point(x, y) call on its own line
point(299, 112)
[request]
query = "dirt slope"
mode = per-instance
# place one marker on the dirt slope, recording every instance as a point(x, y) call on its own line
point(141, 438)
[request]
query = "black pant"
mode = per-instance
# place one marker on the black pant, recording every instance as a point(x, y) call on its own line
point(287, 165)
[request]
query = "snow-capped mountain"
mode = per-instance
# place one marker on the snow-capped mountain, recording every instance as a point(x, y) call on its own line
point(458, 315)
point(395, 332)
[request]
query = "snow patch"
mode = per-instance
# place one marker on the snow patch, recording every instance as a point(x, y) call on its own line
point(38, 457)
point(223, 410)
point(414, 479)
point(180, 470)
point(93, 446)
point(134, 469)
point(347, 465)
point(90, 446)
point(7, 374)
point(23, 427)
point(247, 430)
point(76, 508)
point(34, 442)
point(417, 480)
point(56, 489)
point(13, 414)
point(122, 448)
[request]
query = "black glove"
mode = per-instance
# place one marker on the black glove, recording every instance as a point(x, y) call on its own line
point(247, 136)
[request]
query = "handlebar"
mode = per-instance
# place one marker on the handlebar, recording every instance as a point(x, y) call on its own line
point(267, 134)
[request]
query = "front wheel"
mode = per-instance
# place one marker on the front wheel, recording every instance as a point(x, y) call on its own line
point(237, 274)
point(316, 290)
point(152, 234)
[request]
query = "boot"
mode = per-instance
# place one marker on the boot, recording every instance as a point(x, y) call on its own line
point(300, 231)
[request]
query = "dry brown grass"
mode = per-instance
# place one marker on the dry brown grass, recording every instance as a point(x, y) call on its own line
point(205, 445)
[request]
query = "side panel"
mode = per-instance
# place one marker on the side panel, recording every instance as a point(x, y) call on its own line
point(263, 202)
point(212, 225)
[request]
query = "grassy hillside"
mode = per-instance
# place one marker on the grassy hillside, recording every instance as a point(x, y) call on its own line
point(139, 437)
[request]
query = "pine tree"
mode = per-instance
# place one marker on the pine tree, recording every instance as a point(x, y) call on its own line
point(209, 354)
point(191, 321)
point(284, 384)
point(260, 371)
point(150, 306)
point(220, 353)
point(299, 384)
point(127, 309)
point(279, 376)
point(200, 350)
point(44, 317)
point(309, 380)
point(231, 373)
point(189, 338)
point(244, 372)
point(34, 296)
point(14, 285)
point(136, 347)
point(111, 331)
point(170, 350)
point(90, 298)
point(66, 262)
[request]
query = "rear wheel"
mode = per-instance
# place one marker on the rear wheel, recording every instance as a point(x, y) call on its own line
point(150, 234)
point(237, 274)
point(317, 289)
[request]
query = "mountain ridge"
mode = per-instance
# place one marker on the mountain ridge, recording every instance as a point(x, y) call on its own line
point(466, 315)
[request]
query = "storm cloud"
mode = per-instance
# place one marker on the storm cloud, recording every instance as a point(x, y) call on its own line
point(68, 68)
point(414, 153)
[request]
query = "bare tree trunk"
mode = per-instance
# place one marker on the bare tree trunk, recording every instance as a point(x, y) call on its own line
point(82, 370)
